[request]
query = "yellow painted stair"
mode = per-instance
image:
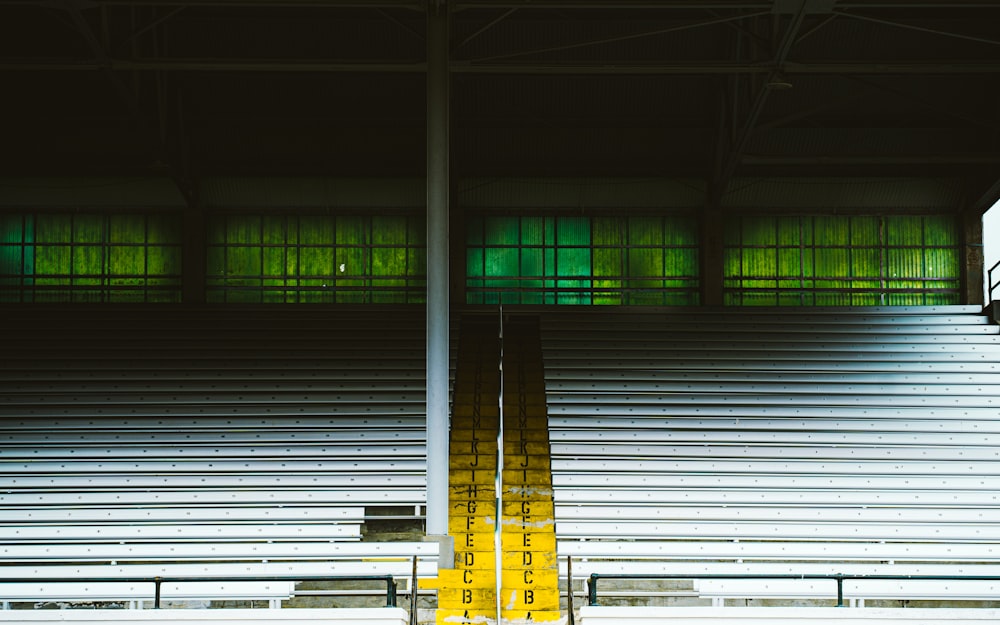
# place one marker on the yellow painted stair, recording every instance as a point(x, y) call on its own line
point(529, 574)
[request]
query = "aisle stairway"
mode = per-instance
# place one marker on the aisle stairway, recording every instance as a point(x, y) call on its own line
point(528, 589)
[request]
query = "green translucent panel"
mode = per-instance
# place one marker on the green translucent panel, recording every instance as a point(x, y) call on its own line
point(573, 231)
point(645, 263)
point(905, 263)
point(865, 263)
point(127, 260)
point(127, 229)
point(609, 232)
point(91, 257)
point(789, 263)
point(53, 228)
point(609, 262)
point(759, 262)
point(788, 231)
point(533, 232)
point(678, 231)
point(243, 230)
point(501, 230)
point(502, 262)
point(645, 231)
point(582, 260)
point(326, 258)
point(905, 230)
point(572, 261)
point(53, 260)
point(832, 231)
point(682, 262)
point(865, 231)
point(12, 257)
point(940, 230)
point(474, 263)
point(942, 263)
point(759, 231)
point(244, 262)
point(316, 230)
point(843, 260)
point(273, 262)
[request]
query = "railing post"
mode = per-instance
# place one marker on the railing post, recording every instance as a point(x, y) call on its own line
point(413, 593)
point(592, 589)
point(569, 591)
point(390, 597)
point(156, 594)
point(840, 590)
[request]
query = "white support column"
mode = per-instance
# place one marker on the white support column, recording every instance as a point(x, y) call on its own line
point(437, 268)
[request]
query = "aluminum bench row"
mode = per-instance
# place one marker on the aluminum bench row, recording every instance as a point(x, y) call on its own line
point(853, 442)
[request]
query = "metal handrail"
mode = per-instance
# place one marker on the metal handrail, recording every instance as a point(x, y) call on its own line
point(390, 582)
point(839, 577)
point(993, 285)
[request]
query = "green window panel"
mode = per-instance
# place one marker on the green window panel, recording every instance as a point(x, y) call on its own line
point(90, 257)
point(841, 260)
point(316, 258)
point(532, 259)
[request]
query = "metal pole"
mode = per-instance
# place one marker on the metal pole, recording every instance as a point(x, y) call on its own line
point(156, 597)
point(438, 305)
point(413, 593)
point(570, 608)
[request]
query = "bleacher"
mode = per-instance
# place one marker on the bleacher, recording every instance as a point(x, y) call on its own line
point(775, 442)
point(231, 443)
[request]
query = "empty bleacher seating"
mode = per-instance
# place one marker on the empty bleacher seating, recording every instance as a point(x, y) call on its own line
point(821, 441)
point(221, 441)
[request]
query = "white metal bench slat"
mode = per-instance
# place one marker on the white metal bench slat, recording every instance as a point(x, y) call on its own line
point(360, 465)
point(188, 514)
point(165, 442)
point(790, 410)
point(622, 428)
point(647, 472)
point(183, 397)
point(136, 591)
point(836, 552)
point(982, 590)
point(167, 410)
point(817, 451)
point(186, 424)
point(639, 484)
point(779, 514)
point(952, 532)
point(182, 532)
point(189, 481)
point(583, 568)
point(835, 390)
point(183, 454)
point(122, 495)
point(213, 551)
point(397, 567)
point(773, 399)
point(830, 496)
point(584, 379)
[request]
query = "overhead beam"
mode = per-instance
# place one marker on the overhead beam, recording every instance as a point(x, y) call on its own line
point(928, 159)
point(403, 67)
point(749, 125)
point(420, 5)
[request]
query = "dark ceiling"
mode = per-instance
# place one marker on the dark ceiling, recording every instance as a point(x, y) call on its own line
point(713, 90)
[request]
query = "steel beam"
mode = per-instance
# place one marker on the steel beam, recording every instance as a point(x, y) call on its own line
point(438, 304)
point(460, 67)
